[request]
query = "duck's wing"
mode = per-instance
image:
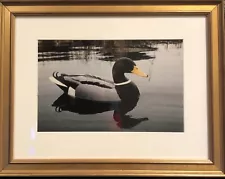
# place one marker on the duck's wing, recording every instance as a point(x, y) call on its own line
point(87, 87)
point(65, 80)
point(93, 88)
point(90, 80)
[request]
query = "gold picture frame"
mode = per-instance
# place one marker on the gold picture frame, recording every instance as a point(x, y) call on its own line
point(212, 9)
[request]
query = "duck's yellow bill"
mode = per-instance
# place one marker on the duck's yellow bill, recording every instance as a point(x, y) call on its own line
point(138, 72)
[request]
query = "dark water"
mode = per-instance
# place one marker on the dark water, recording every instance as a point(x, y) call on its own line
point(160, 108)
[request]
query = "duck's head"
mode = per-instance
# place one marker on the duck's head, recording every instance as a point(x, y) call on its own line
point(126, 65)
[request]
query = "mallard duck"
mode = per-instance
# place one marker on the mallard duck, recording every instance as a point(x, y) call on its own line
point(93, 88)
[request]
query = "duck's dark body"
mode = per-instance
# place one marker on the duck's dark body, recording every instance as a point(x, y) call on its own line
point(129, 95)
point(128, 92)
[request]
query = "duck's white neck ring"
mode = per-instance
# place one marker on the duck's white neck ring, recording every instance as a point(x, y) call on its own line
point(123, 83)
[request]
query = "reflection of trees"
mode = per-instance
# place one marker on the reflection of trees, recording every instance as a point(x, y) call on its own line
point(177, 45)
point(53, 45)
point(107, 50)
point(50, 56)
point(86, 54)
point(110, 45)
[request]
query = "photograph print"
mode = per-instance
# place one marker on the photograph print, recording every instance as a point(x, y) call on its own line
point(110, 85)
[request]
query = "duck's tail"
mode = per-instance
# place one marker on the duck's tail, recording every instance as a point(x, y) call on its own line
point(59, 80)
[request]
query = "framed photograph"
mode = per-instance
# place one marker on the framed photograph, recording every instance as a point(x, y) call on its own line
point(112, 88)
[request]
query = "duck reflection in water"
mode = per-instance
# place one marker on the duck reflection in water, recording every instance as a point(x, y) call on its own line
point(88, 94)
point(85, 107)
